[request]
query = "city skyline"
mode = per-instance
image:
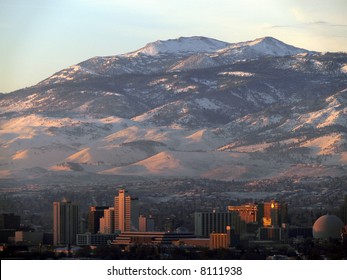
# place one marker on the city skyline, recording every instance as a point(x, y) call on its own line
point(267, 223)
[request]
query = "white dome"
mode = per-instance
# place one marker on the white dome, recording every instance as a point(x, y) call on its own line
point(327, 226)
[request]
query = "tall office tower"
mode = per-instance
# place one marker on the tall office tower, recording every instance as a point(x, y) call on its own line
point(94, 215)
point(247, 212)
point(126, 212)
point(272, 214)
point(146, 224)
point(150, 224)
point(9, 221)
point(260, 213)
point(142, 223)
point(107, 221)
point(217, 222)
point(65, 222)
point(343, 211)
point(284, 214)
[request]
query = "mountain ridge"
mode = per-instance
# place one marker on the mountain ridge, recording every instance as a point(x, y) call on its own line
point(246, 110)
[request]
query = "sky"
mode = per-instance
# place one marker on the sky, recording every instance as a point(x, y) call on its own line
point(41, 37)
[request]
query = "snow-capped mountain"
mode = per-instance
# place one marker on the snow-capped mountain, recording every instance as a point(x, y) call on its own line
point(195, 107)
point(175, 55)
point(182, 45)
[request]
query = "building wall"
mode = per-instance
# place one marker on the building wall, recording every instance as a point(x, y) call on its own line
point(107, 221)
point(343, 211)
point(29, 238)
point(9, 221)
point(65, 222)
point(216, 222)
point(271, 214)
point(142, 223)
point(88, 239)
point(126, 212)
point(270, 233)
point(94, 215)
point(219, 240)
point(146, 224)
point(247, 212)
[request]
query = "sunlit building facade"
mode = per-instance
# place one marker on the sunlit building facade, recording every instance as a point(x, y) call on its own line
point(146, 223)
point(217, 222)
point(65, 222)
point(94, 215)
point(126, 212)
point(247, 212)
point(271, 214)
point(107, 221)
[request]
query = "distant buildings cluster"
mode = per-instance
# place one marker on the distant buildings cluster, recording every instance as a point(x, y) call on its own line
point(121, 224)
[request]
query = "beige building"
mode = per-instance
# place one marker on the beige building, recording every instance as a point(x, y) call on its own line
point(94, 215)
point(221, 240)
point(107, 221)
point(126, 212)
point(146, 223)
point(29, 238)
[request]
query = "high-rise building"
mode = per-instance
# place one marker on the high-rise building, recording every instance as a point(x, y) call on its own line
point(343, 211)
point(247, 212)
point(107, 221)
point(271, 211)
point(146, 224)
point(65, 222)
point(94, 215)
point(126, 212)
point(9, 221)
point(142, 223)
point(217, 222)
point(150, 224)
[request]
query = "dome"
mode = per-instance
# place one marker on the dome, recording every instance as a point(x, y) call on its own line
point(327, 226)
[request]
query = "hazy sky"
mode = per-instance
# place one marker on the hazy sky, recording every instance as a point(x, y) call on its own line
point(40, 37)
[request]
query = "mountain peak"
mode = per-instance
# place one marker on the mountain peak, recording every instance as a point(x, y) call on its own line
point(270, 46)
point(182, 45)
point(199, 44)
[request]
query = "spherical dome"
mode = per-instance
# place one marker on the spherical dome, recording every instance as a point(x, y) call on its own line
point(327, 226)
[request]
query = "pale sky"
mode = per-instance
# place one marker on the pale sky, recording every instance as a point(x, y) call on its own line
point(41, 37)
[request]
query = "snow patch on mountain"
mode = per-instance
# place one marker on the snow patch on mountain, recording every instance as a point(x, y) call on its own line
point(69, 74)
point(198, 61)
point(236, 74)
point(182, 45)
point(265, 46)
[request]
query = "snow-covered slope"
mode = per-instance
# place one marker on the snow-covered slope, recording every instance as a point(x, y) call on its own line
point(181, 45)
point(176, 55)
point(194, 107)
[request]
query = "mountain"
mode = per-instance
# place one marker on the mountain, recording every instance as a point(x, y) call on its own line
point(181, 45)
point(192, 107)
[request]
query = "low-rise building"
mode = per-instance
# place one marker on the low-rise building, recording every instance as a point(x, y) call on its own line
point(90, 239)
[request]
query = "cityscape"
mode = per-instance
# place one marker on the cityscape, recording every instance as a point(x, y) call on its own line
point(173, 130)
point(303, 222)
